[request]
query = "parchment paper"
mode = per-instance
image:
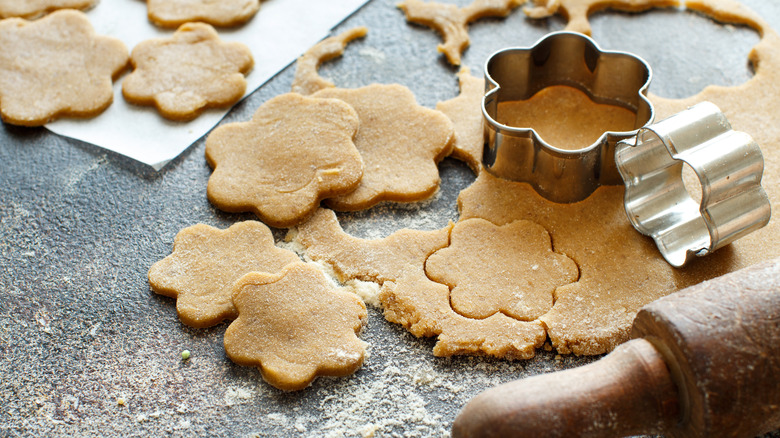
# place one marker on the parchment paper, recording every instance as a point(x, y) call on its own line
point(277, 35)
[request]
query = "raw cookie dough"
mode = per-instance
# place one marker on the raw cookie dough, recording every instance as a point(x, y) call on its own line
point(174, 13)
point(56, 66)
point(408, 296)
point(188, 72)
point(452, 22)
point(565, 117)
point(509, 269)
point(307, 80)
point(294, 152)
point(205, 263)
point(34, 8)
point(576, 12)
point(295, 326)
point(400, 142)
point(465, 111)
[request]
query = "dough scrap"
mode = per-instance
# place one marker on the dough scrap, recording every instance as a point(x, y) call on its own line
point(188, 72)
point(465, 111)
point(223, 13)
point(577, 11)
point(509, 269)
point(307, 80)
point(56, 67)
point(408, 296)
point(205, 263)
point(400, 143)
point(565, 117)
point(34, 8)
point(452, 22)
point(294, 152)
point(295, 326)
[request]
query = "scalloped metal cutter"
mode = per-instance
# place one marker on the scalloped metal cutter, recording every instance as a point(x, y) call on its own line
point(648, 160)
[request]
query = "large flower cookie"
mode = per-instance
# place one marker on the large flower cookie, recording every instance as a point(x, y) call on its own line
point(188, 72)
point(56, 66)
point(34, 8)
point(400, 143)
point(294, 152)
point(205, 263)
point(173, 13)
point(295, 326)
point(509, 269)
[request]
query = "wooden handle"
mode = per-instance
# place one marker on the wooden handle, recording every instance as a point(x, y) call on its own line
point(706, 363)
point(628, 392)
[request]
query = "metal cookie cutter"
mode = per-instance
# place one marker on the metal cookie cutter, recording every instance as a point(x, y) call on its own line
point(561, 58)
point(649, 160)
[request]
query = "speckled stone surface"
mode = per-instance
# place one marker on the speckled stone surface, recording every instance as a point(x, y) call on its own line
point(81, 332)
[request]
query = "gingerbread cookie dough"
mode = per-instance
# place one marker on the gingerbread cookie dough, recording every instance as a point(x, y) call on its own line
point(400, 142)
point(205, 263)
point(174, 13)
point(307, 80)
point(56, 67)
point(188, 72)
point(294, 152)
point(576, 12)
point(509, 269)
point(452, 22)
point(465, 111)
point(565, 117)
point(295, 326)
point(35, 8)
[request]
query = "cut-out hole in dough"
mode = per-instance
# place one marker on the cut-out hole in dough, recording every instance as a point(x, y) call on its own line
point(684, 57)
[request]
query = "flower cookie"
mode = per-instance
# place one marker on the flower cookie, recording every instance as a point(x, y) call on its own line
point(224, 13)
point(35, 8)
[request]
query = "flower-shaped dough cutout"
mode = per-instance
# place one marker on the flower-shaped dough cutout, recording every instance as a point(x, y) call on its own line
point(307, 80)
point(56, 66)
point(465, 112)
point(295, 326)
point(509, 269)
point(452, 22)
point(174, 13)
point(577, 11)
point(294, 152)
point(35, 8)
point(188, 72)
point(400, 143)
point(205, 263)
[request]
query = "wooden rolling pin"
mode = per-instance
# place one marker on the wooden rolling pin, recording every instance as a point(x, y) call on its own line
point(704, 362)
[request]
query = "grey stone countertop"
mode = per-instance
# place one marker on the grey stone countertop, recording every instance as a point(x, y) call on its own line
point(80, 227)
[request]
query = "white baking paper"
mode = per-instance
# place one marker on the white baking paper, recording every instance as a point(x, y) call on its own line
point(280, 32)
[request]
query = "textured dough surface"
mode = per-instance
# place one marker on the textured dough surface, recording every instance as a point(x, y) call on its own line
point(400, 143)
point(205, 263)
point(188, 72)
point(565, 117)
point(294, 152)
point(35, 8)
point(295, 326)
point(307, 80)
point(56, 67)
point(509, 269)
point(173, 13)
point(452, 22)
point(465, 111)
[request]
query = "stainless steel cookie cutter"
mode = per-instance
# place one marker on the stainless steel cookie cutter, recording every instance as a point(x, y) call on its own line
point(561, 58)
point(648, 160)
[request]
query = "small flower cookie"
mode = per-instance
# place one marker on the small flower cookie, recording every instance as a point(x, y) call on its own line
point(56, 66)
point(223, 13)
point(295, 326)
point(188, 72)
point(205, 263)
point(35, 8)
point(294, 152)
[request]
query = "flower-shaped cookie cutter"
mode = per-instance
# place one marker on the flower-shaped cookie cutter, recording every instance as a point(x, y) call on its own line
point(649, 160)
point(561, 58)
